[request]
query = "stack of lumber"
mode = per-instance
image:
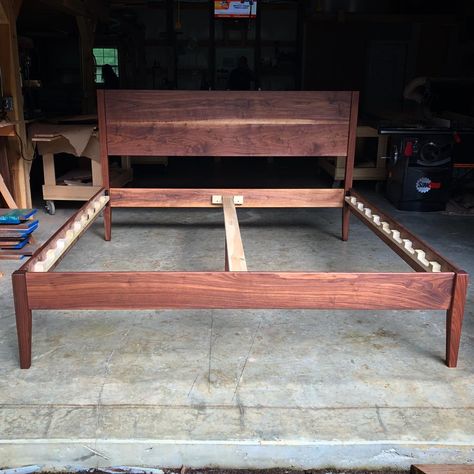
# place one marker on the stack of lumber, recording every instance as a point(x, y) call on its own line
point(16, 233)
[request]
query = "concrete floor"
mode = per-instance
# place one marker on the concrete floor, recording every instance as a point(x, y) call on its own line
point(303, 389)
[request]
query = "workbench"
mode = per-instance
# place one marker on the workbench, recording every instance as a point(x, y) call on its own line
point(373, 168)
point(79, 141)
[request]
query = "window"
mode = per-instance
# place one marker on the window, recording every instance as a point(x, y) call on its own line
point(105, 56)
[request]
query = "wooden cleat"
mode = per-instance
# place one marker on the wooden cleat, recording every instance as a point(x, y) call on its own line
point(408, 245)
point(421, 257)
point(435, 266)
point(396, 236)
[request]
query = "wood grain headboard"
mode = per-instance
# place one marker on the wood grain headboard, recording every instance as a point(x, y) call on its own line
point(224, 123)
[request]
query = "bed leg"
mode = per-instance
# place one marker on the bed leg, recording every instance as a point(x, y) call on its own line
point(346, 214)
point(454, 317)
point(107, 222)
point(23, 318)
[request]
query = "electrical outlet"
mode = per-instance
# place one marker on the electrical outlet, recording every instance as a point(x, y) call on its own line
point(7, 103)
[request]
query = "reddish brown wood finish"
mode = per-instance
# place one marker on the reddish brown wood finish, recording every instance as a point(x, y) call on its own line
point(300, 124)
point(431, 254)
point(227, 140)
point(349, 169)
point(197, 123)
point(23, 318)
point(140, 105)
point(454, 318)
point(273, 198)
point(104, 160)
point(154, 290)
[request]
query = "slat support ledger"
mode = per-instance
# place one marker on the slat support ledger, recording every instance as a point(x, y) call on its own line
point(235, 256)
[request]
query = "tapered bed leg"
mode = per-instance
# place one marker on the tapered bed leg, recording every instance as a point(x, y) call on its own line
point(107, 222)
point(346, 214)
point(454, 317)
point(23, 318)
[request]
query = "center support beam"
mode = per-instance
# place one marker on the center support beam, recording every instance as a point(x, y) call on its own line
point(234, 249)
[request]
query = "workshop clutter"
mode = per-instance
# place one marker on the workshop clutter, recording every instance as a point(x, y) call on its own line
point(16, 233)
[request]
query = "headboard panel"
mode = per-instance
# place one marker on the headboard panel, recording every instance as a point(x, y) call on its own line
point(225, 123)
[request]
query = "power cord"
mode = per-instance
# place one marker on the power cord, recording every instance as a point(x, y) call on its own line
point(22, 149)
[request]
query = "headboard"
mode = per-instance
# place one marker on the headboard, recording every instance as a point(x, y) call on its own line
point(225, 123)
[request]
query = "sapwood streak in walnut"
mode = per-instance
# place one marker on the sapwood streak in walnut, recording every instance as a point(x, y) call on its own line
point(197, 123)
point(222, 105)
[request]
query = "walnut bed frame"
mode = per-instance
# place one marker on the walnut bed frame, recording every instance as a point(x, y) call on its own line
point(284, 124)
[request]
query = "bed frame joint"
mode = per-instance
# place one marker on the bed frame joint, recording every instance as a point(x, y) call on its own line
point(217, 199)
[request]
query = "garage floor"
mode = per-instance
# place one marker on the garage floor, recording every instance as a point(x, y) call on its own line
point(301, 389)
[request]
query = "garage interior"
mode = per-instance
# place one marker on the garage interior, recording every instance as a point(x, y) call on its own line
point(233, 388)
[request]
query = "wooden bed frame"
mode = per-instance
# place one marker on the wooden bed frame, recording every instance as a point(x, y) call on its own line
point(289, 124)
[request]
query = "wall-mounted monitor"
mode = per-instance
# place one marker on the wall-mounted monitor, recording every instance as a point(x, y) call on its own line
point(235, 9)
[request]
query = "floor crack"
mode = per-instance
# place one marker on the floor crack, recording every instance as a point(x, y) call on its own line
point(246, 359)
point(104, 381)
point(210, 353)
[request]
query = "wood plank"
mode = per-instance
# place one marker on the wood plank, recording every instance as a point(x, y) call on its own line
point(218, 123)
point(442, 469)
point(351, 142)
point(104, 160)
point(349, 165)
point(454, 318)
point(27, 250)
point(171, 106)
point(378, 172)
point(69, 193)
point(49, 171)
point(96, 169)
point(7, 130)
point(239, 290)
point(253, 198)
point(234, 247)
point(5, 193)
point(164, 139)
point(23, 318)
point(431, 254)
point(10, 65)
